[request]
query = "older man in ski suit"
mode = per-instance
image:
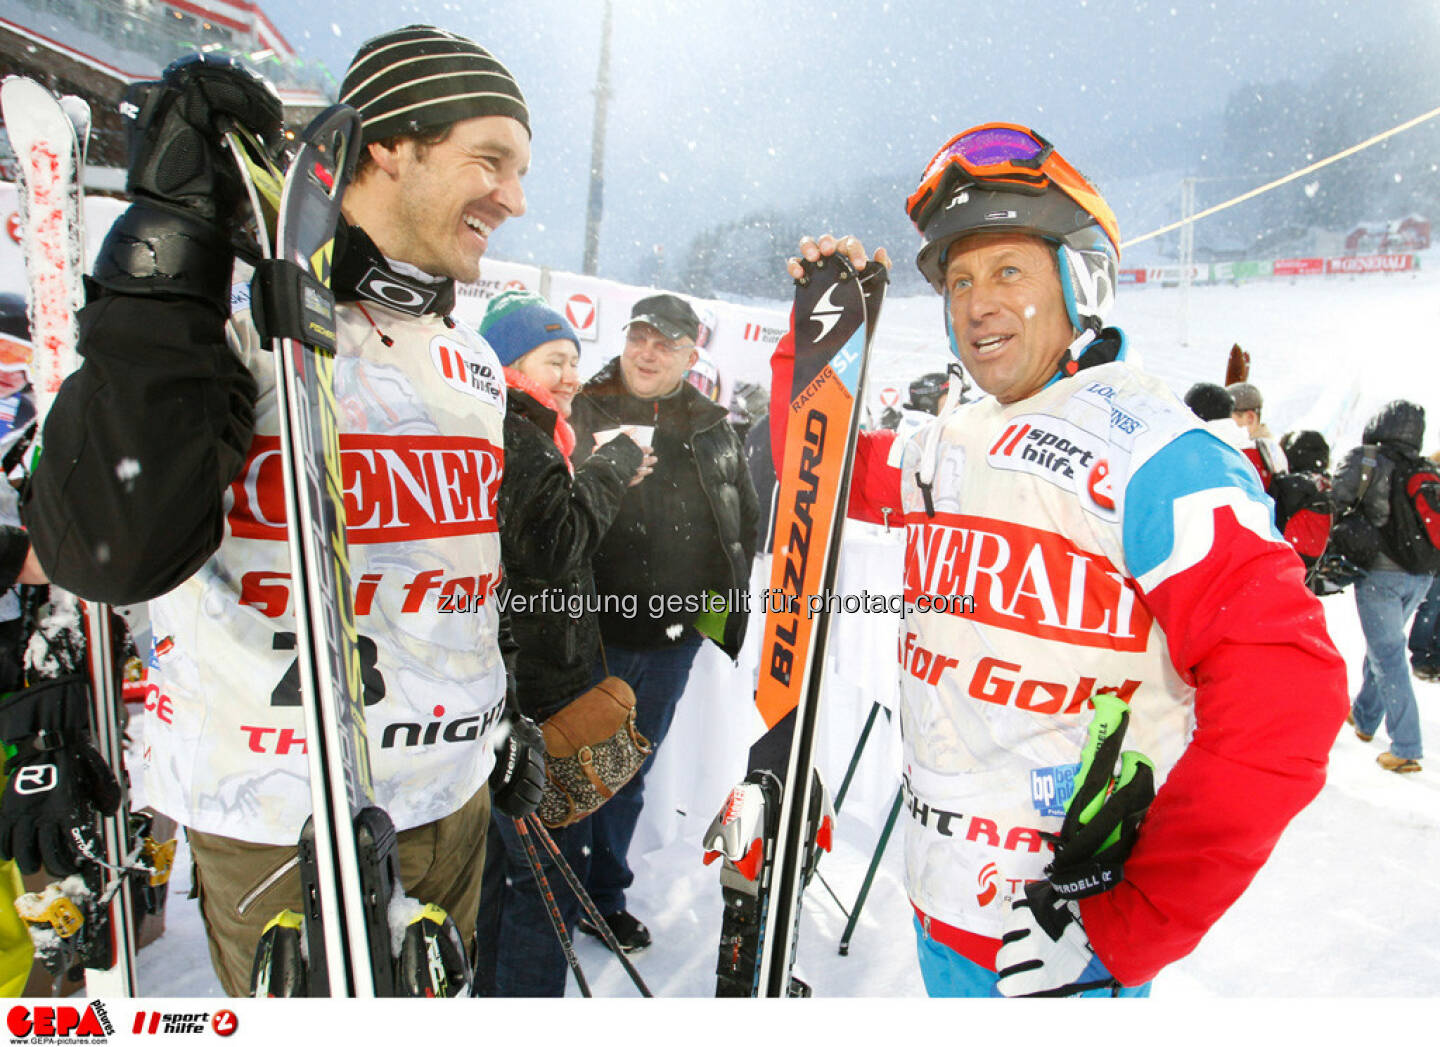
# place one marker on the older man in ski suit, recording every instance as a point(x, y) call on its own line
point(1110, 544)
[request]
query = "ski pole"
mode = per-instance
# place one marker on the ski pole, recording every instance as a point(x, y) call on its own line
point(870, 875)
point(552, 908)
point(855, 757)
point(585, 902)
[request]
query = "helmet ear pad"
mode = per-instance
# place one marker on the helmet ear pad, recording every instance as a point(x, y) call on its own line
point(1087, 282)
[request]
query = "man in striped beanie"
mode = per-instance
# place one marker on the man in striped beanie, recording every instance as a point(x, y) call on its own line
point(422, 417)
point(447, 139)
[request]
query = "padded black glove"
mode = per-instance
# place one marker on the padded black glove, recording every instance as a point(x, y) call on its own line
point(58, 785)
point(177, 152)
point(519, 775)
point(175, 238)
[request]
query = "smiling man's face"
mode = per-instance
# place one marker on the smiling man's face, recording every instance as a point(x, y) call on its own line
point(449, 197)
point(1007, 311)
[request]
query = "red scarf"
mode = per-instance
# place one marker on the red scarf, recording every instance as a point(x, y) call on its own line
point(564, 436)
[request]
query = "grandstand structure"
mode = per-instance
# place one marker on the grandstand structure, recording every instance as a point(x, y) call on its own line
point(94, 48)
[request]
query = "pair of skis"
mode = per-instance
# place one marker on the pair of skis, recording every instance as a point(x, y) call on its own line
point(85, 922)
point(349, 856)
point(776, 823)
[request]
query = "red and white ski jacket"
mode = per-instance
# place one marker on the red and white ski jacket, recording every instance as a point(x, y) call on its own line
point(421, 451)
point(1095, 536)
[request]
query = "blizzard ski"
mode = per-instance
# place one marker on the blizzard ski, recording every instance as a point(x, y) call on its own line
point(777, 821)
point(87, 921)
point(349, 862)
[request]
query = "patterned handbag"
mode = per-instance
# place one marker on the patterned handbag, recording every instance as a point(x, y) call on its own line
point(591, 750)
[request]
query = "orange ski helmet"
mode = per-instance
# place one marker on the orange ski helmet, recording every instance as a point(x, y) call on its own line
point(1004, 176)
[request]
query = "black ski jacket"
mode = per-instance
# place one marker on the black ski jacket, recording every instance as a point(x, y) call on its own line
point(164, 406)
point(688, 529)
point(1398, 428)
point(550, 526)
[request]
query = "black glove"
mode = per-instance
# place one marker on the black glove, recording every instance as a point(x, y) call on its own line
point(58, 785)
point(175, 238)
point(177, 152)
point(519, 775)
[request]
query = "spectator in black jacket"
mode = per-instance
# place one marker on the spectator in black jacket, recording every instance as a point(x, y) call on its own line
point(1387, 595)
point(552, 518)
point(687, 532)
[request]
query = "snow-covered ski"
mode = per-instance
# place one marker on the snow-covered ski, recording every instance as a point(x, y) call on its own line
point(86, 920)
point(776, 822)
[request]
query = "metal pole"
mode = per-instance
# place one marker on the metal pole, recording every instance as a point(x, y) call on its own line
point(596, 205)
point(1187, 255)
point(870, 873)
point(855, 757)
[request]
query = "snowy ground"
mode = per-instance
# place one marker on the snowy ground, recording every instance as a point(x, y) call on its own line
point(1347, 907)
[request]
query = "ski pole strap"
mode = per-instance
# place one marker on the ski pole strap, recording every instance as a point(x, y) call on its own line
point(288, 302)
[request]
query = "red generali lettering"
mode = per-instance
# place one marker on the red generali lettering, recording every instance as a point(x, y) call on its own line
point(397, 488)
point(1025, 579)
point(997, 681)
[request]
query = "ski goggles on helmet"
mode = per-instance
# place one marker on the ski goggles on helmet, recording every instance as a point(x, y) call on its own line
point(1004, 157)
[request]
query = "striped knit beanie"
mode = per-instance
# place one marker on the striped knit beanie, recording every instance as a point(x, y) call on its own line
point(417, 78)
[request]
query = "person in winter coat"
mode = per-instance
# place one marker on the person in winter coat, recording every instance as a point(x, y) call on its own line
point(1387, 595)
point(1107, 543)
point(1303, 506)
point(679, 552)
point(177, 379)
point(1265, 454)
point(552, 518)
point(1425, 632)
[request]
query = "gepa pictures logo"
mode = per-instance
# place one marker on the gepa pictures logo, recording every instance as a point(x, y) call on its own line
point(59, 1023)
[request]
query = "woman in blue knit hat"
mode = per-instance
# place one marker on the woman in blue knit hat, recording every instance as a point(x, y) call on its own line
point(552, 516)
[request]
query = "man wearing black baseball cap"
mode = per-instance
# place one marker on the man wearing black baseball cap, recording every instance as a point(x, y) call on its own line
point(688, 531)
point(200, 532)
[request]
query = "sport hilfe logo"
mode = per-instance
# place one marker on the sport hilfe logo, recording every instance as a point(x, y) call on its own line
point(159, 1023)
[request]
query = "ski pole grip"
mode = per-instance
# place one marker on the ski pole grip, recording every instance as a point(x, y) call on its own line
point(288, 302)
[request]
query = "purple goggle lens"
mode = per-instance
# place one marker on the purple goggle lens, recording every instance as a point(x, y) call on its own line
point(989, 146)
